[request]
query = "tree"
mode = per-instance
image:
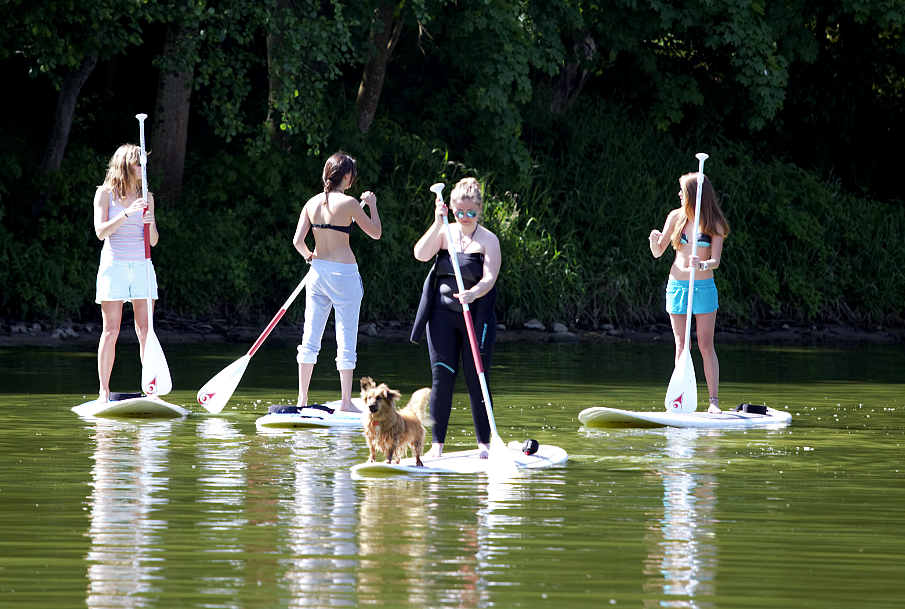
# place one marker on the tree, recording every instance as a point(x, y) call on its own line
point(63, 41)
point(385, 31)
point(170, 122)
point(499, 48)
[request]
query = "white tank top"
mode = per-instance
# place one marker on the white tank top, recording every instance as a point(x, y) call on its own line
point(127, 243)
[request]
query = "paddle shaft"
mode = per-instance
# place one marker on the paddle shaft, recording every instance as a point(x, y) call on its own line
point(694, 245)
point(144, 195)
point(469, 325)
point(276, 318)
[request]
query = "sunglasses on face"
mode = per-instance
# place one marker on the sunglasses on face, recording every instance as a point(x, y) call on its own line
point(470, 213)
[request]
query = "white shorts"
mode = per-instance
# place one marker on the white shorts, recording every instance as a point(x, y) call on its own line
point(126, 281)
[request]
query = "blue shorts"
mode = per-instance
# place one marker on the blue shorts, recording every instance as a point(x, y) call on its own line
point(705, 297)
point(126, 281)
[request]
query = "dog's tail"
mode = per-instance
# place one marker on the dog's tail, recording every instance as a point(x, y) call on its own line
point(418, 405)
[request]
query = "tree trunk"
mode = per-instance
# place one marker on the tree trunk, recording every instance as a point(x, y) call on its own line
point(375, 69)
point(169, 129)
point(62, 123)
point(573, 76)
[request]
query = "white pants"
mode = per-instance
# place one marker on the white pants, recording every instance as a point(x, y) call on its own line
point(334, 285)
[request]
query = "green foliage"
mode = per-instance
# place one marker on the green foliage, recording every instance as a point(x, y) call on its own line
point(56, 36)
point(574, 240)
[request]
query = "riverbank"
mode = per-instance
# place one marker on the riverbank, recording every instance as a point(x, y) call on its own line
point(20, 334)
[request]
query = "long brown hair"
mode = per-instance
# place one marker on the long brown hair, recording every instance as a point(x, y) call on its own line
point(713, 222)
point(120, 178)
point(335, 169)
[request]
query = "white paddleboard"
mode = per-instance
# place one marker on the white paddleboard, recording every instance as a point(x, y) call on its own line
point(314, 417)
point(143, 406)
point(464, 462)
point(614, 417)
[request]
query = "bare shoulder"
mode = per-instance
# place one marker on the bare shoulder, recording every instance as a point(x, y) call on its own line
point(344, 201)
point(674, 216)
point(487, 238)
point(101, 195)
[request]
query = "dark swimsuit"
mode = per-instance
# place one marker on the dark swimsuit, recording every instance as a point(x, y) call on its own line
point(342, 229)
point(447, 338)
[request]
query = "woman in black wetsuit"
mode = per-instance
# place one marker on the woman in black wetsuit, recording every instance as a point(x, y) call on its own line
point(440, 310)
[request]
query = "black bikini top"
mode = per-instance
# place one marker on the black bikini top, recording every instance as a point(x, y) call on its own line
point(342, 229)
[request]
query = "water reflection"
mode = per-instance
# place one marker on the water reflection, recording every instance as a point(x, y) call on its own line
point(322, 521)
point(395, 521)
point(221, 490)
point(128, 480)
point(682, 557)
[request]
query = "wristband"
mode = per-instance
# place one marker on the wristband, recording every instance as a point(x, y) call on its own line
point(704, 266)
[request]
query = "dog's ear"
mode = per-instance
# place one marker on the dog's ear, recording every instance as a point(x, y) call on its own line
point(366, 383)
point(393, 394)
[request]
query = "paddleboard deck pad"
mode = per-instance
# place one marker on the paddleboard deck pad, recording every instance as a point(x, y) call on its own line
point(614, 417)
point(130, 405)
point(464, 462)
point(314, 416)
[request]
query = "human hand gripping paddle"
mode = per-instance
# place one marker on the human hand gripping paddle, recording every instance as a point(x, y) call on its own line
point(682, 392)
point(155, 374)
point(500, 459)
point(217, 391)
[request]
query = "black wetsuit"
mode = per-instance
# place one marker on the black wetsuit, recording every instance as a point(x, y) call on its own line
point(447, 339)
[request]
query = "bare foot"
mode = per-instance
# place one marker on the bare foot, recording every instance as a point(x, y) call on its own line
point(435, 451)
point(102, 398)
point(714, 407)
point(485, 451)
point(350, 407)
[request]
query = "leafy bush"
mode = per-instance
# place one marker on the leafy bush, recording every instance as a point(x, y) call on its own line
point(574, 239)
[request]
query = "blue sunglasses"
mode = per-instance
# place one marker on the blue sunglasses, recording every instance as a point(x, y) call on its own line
point(461, 214)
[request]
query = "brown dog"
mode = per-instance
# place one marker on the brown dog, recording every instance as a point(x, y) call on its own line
point(389, 430)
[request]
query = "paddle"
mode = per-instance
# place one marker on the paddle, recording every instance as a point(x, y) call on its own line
point(155, 374)
point(682, 392)
point(499, 454)
point(217, 391)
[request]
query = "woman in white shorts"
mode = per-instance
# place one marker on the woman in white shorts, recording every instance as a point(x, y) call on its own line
point(335, 281)
point(120, 218)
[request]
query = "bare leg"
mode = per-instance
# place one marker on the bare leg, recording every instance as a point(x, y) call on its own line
point(678, 332)
point(140, 311)
point(305, 371)
point(435, 451)
point(112, 311)
point(705, 324)
point(345, 383)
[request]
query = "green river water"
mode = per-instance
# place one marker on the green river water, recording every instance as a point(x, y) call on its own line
point(208, 512)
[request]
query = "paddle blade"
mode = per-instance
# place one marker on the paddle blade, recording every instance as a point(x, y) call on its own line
point(217, 391)
point(682, 392)
point(500, 464)
point(155, 374)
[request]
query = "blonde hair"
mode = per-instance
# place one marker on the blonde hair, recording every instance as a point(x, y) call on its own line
point(120, 179)
point(467, 188)
point(712, 222)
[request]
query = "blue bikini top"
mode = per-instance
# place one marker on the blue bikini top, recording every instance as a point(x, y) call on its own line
point(703, 240)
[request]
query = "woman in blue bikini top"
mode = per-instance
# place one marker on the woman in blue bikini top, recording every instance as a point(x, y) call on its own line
point(713, 230)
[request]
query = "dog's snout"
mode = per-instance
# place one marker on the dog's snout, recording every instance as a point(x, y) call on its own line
point(373, 407)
